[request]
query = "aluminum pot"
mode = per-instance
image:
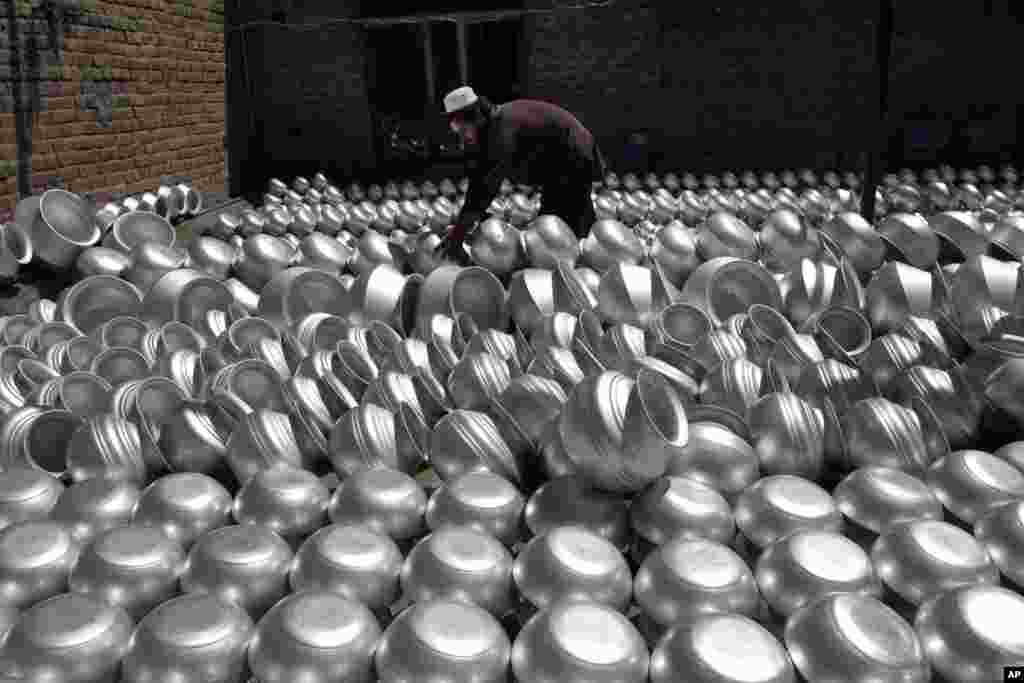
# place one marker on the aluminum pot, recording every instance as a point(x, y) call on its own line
point(874, 499)
point(779, 505)
point(548, 241)
point(1000, 531)
point(577, 641)
point(315, 636)
point(462, 564)
point(352, 561)
point(27, 494)
point(725, 286)
point(478, 500)
point(972, 483)
point(721, 648)
point(498, 247)
point(35, 559)
point(856, 638)
point(192, 637)
point(718, 457)
point(466, 440)
point(571, 562)
point(679, 507)
point(685, 578)
point(651, 424)
point(95, 505)
point(385, 500)
point(132, 567)
point(443, 639)
point(69, 637)
point(184, 506)
point(963, 633)
point(800, 568)
point(925, 558)
point(290, 501)
point(59, 226)
point(91, 302)
point(246, 565)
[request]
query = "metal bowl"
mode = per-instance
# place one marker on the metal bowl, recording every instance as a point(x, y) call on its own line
point(570, 562)
point(568, 500)
point(350, 560)
point(193, 637)
point(463, 564)
point(779, 505)
point(291, 501)
point(853, 637)
point(443, 640)
point(35, 558)
point(972, 483)
point(685, 578)
point(385, 500)
point(806, 565)
point(924, 558)
point(90, 507)
point(314, 636)
point(721, 648)
point(132, 567)
point(27, 494)
point(579, 641)
point(480, 500)
point(246, 565)
point(718, 457)
point(965, 636)
point(69, 637)
point(139, 227)
point(876, 498)
point(674, 507)
point(59, 226)
point(94, 300)
point(1001, 532)
point(725, 286)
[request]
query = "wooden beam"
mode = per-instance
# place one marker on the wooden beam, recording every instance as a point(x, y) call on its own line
point(460, 41)
point(880, 139)
point(428, 63)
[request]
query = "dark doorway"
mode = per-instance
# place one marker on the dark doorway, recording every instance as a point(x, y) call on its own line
point(495, 58)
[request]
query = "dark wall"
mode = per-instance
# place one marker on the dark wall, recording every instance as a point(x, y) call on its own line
point(752, 84)
point(305, 105)
point(664, 84)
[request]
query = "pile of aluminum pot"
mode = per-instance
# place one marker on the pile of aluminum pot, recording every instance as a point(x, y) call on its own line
point(737, 433)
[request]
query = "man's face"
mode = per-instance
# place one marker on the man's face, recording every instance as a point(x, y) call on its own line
point(466, 131)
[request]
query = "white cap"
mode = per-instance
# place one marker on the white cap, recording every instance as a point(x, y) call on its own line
point(459, 99)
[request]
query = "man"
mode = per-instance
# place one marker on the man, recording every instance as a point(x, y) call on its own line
point(529, 142)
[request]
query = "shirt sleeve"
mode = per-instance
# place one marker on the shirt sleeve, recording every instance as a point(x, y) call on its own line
point(484, 183)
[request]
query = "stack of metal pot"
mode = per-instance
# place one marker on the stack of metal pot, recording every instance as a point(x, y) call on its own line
point(735, 434)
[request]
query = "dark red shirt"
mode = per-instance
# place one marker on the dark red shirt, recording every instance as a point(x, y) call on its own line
point(530, 142)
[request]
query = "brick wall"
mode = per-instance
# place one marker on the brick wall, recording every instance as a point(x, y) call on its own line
point(121, 94)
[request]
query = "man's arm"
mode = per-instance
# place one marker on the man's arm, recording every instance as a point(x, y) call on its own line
point(484, 185)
